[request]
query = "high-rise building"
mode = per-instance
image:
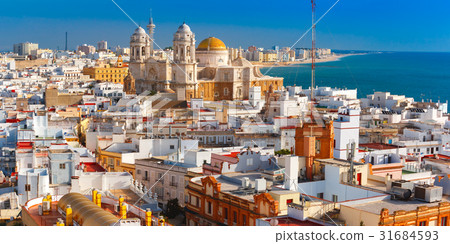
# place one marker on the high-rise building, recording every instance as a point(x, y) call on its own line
point(25, 48)
point(87, 49)
point(102, 46)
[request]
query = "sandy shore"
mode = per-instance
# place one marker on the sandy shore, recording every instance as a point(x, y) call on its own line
point(335, 57)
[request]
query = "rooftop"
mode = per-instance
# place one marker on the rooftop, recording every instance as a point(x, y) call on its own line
point(378, 146)
point(288, 221)
point(32, 209)
point(396, 205)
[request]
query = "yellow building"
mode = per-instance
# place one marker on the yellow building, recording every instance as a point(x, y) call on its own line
point(111, 160)
point(270, 57)
point(106, 72)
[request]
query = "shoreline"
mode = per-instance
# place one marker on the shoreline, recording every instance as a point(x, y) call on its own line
point(287, 64)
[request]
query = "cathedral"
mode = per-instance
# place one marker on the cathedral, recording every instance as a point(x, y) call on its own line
point(207, 71)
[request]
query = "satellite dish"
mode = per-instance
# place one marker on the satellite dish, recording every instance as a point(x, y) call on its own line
point(273, 222)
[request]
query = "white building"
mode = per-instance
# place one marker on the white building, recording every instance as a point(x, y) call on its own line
point(346, 131)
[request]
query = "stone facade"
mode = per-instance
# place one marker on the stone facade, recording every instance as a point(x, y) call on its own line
point(208, 72)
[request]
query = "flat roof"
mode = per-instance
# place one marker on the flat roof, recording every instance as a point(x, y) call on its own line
point(379, 146)
point(396, 205)
point(288, 221)
point(231, 183)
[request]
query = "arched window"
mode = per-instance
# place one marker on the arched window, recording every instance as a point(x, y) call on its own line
point(143, 51)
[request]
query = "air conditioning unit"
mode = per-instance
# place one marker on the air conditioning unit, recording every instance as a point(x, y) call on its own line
point(245, 183)
point(428, 193)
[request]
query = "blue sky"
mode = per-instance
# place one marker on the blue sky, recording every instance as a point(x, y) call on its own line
point(398, 25)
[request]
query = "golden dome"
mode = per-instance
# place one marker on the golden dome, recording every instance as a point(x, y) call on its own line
point(211, 44)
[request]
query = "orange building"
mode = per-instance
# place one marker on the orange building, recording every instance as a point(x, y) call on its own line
point(110, 158)
point(438, 215)
point(213, 200)
point(313, 141)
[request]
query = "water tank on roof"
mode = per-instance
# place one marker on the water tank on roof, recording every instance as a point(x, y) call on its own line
point(400, 193)
point(403, 184)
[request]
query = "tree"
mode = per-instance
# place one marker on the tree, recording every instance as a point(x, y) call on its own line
point(173, 208)
point(283, 152)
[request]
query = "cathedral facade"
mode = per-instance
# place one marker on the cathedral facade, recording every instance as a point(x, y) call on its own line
point(207, 71)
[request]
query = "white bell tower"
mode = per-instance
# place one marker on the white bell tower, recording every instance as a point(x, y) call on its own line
point(184, 71)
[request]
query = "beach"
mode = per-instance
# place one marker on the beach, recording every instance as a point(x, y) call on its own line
point(332, 58)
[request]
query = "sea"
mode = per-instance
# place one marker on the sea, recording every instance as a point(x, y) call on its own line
point(421, 75)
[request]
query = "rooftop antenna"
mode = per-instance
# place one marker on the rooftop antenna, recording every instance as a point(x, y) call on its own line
point(66, 42)
point(313, 66)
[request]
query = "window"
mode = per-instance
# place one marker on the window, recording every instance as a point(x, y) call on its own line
point(111, 163)
point(320, 195)
point(225, 214)
point(444, 221)
point(335, 198)
point(138, 172)
point(146, 175)
point(62, 166)
point(173, 181)
point(234, 217)
point(172, 147)
point(225, 91)
point(160, 178)
point(249, 161)
point(244, 220)
point(209, 209)
point(317, 146)
point(423, 223)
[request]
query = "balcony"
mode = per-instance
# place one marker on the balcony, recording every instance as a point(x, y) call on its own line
point(174, 184)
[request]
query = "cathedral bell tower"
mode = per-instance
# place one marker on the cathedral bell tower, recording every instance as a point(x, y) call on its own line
point(139, 46)
point(184, 71)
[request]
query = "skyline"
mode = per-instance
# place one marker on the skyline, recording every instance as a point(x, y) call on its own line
point(381, 25)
